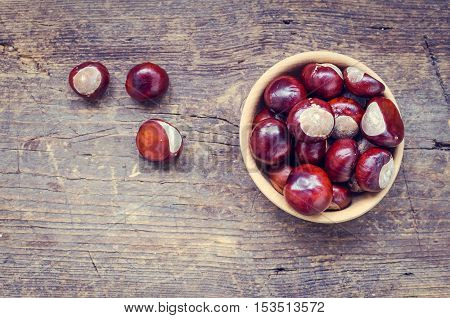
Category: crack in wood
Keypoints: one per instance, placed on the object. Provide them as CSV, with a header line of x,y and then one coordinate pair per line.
x,y
434,63
93,264
413,211
215,117
381,28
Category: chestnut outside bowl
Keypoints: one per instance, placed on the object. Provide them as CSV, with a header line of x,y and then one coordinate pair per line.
x,y
362,202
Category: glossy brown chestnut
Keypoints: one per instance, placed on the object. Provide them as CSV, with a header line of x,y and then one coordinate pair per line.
x,y
283,93
347,117
265,113
278,177
323,80
146,81
312,153
157,140
382,124
308,189
270,142
374,169
89,80
341,159
342,197
311,120
362,84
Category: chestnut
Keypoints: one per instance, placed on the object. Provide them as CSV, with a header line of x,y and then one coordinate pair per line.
x,y
382,124
362,84
265,113
146,81
340,159
283,93
278,177
269,142
312,153
308,189
347,117
342,197
89,80
364,145
323,80
311,120
374,169
157,140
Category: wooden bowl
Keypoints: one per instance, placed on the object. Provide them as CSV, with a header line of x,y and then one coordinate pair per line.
x,y
362,202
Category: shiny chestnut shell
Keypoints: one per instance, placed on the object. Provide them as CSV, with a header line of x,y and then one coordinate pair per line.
x,y
347,117
278,177
362,84
265,113
308,189
342,197
157,140
283,93
382,124
312,153
146,81
374,169
89,80
323,80
269,142
311,120
340,160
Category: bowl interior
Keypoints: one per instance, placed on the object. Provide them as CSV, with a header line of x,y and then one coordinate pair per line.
x,y
362,202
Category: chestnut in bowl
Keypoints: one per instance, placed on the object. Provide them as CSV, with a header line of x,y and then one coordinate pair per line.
x,y
340,160
265,113
374,169
342,197
360,83
308,189
361,203
279,176
382,124
269,142
347,117
324,80
312,153
311,120
283,93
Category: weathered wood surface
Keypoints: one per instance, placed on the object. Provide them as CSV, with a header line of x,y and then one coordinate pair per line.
x,y
82,215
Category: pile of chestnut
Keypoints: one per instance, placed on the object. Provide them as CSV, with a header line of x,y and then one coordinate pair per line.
x,y
325,135
156,140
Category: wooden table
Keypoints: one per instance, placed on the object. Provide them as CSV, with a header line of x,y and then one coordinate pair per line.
x,y
82,215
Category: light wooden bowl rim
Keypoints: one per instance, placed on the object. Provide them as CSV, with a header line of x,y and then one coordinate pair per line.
x,y
361,203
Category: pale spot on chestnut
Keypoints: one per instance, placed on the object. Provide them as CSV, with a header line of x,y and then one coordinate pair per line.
x,y
158,140
354,74
386,174
316,121
373,123
345,127
333,206
175,139
87,80
334,67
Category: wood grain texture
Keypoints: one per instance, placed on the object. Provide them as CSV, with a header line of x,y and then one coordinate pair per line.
x,y
82,215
